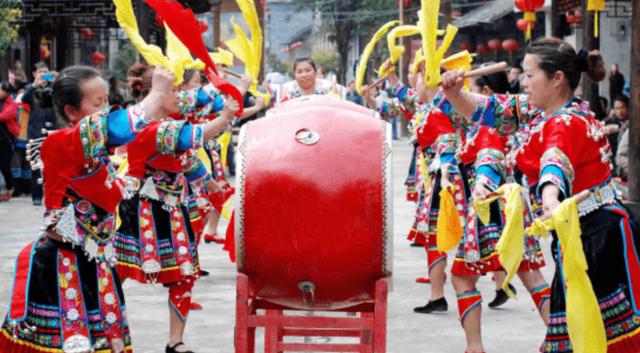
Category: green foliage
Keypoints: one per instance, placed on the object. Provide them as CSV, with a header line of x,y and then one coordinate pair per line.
x,y
276,65
127,56
9,13
346,19
328,60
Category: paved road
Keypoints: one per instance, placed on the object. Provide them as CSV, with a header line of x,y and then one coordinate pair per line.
x,y
514,328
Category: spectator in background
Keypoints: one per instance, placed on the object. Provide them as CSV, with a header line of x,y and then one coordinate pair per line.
x,y
622,156
514,79
352,94
18,72
8,131
616,82
115,94
39,97
604,106
617,124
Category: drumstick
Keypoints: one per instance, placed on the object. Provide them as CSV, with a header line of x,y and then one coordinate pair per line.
x,y
487,70
231,73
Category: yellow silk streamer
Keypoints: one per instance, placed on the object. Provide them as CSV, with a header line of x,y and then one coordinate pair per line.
x,y
596,6
249,51
204,157
220,57
366,53
428,24
224,140
584,319
449,228
396,50
459,61
417,60
151,53
510,247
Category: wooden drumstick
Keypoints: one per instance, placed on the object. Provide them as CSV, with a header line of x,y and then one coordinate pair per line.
x,y
231,73
487,70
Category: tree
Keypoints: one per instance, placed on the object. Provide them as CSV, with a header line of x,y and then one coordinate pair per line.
x,y
127,56
328,60
9,13
346,19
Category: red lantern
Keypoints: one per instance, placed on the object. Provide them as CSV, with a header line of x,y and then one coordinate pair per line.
x,y
45,53
97,58
574,18
202,25
495,44
296,45
510,45
481,48
465,46
529,7
522,25
86,33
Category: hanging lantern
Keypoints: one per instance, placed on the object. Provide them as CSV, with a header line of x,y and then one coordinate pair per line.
x,y
529,7
495,44
203,26
575,17
86,33
481,49
510,45
523,24
465,46
596,6
44,51
97,58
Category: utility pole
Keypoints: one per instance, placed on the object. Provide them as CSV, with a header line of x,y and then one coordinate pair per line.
x,y
590,42
634,117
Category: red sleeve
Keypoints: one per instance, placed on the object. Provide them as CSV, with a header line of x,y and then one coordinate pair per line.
x,y
62,156
141,150
9,110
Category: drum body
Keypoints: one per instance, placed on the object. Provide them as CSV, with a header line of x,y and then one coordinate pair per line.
x,y
313,205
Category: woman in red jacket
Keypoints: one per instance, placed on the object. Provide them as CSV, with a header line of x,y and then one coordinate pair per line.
x,y
8,130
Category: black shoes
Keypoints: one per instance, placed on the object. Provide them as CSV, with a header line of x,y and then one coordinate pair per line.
x,y
439,305
204,273
169,349
501,297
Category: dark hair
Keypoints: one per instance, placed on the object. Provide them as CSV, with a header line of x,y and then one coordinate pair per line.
x,y
303,60
6,86
188,75
40,65
67,90
139,79
622,98
558,55
113,81
517,67
497,81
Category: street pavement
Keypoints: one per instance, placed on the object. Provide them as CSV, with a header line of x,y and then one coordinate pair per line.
x,y
516,327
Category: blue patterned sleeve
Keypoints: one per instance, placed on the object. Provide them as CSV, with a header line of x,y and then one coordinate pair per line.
x,y
124,125
178,136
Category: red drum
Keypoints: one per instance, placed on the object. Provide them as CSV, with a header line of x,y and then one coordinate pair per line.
x,y
314,205
327,100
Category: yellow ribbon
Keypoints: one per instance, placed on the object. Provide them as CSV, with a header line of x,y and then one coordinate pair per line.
x,y
204,157
396,50
224,140
510,247
366,53
151,53
428,23
584,319
249,51
449,231
530,18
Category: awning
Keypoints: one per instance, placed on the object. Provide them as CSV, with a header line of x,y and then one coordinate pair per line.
x,y
485,14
